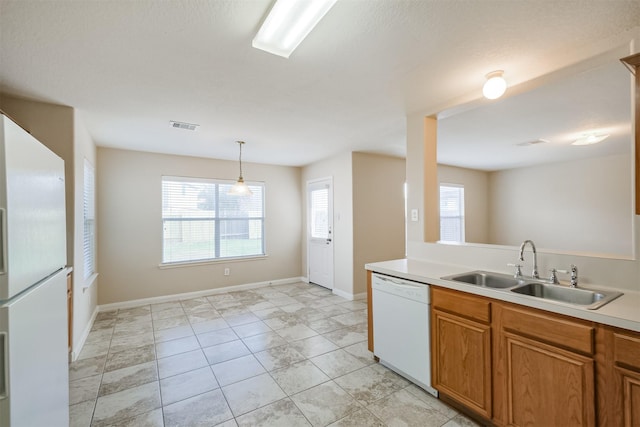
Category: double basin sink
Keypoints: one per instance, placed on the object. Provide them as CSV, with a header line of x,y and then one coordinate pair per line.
x,y
537,288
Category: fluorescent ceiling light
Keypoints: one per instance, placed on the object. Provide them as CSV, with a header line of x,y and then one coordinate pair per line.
x,y
590,139
288,23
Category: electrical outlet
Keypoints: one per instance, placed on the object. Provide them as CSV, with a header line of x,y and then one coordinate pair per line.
x,y
227,271
414,214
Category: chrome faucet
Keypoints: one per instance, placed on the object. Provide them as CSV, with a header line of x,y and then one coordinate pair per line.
x,y
534,273
574,276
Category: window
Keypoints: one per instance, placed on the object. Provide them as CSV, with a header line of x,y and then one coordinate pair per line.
x,y
451,213
320,213
200,221
89,214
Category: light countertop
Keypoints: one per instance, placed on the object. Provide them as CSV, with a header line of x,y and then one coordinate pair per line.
x,y
623,312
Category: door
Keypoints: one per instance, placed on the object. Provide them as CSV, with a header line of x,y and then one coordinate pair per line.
x,y
547,385
462,360
320,232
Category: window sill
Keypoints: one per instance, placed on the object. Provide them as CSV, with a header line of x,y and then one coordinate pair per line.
x,y
181,264
89,281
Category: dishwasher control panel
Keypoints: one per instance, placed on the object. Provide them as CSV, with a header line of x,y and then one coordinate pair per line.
x,y
401,287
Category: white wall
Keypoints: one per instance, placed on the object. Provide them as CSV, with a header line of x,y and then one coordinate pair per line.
x,y
476,200
582,205
130,226
85,295
340,169
378,212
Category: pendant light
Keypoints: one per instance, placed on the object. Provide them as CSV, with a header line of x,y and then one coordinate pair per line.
x,y
240,188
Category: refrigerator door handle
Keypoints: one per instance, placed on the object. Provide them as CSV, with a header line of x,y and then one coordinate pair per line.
x,y
4,366
3,240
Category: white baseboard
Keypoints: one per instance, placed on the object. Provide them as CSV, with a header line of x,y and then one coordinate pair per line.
x,y
195,294
350,297
78,347
343,294
305,279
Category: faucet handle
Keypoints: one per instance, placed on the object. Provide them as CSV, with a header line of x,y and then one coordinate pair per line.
x,y
518,272
554,277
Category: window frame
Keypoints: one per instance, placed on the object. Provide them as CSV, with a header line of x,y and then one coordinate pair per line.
x,y
217,221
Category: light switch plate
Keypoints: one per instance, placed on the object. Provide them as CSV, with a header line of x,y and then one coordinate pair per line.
x,y
414,214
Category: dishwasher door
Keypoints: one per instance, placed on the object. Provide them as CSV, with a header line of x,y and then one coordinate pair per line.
x,y
401,328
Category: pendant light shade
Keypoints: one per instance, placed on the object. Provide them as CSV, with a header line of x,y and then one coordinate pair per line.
x,y
240,188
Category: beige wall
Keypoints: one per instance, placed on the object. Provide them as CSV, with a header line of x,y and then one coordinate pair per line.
x,y
340,169
581,205
130,226
476,199
378,212
61,129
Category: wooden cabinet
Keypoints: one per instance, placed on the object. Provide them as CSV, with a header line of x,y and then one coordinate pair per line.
x,y
544,368
618,379
512,365
461,349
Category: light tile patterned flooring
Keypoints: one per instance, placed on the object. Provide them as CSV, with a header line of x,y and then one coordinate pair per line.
x,y
287,355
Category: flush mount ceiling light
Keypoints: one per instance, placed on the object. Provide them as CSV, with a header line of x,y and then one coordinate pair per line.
x,y
288,23
240,188
590,139
495,85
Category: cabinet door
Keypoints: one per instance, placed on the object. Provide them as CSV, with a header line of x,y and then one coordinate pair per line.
x,y
461,350
546,385
618,377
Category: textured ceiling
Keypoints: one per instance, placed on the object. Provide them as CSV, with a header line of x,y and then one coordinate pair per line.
x,y
130,66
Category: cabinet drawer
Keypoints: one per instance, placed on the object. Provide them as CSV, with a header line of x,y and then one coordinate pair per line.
x,y
462,304
571,334
626,350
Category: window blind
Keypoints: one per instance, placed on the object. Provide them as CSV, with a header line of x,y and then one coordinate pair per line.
x,y
452,213
89,214
320,213
202,222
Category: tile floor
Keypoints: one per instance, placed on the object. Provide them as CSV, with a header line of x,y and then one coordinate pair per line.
x,y
287,355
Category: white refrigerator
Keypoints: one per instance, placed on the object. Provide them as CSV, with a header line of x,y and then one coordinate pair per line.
x,y
34,375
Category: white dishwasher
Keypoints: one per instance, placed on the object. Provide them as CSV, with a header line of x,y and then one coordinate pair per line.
x,y
401,328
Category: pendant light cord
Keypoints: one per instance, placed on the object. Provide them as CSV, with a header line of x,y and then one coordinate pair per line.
x,y
240,158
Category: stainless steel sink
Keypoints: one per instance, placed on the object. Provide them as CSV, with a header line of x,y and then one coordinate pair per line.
x,y
591,299
537,288
486,279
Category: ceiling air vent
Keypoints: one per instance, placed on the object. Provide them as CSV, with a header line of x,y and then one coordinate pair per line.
x,y
183,125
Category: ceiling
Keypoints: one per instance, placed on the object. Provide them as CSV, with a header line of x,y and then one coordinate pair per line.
x,y
131,66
